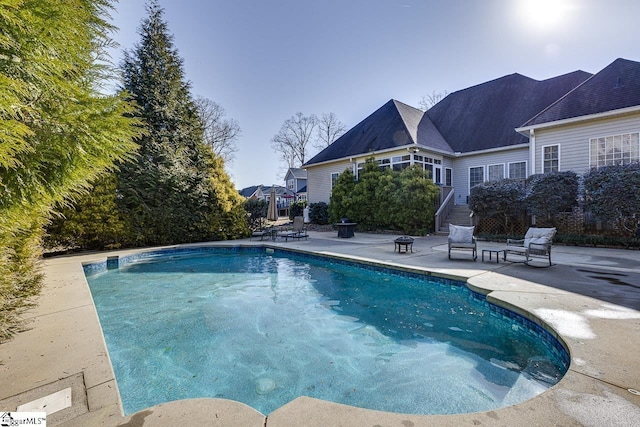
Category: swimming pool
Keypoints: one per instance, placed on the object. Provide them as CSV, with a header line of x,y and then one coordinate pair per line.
x,y
265,328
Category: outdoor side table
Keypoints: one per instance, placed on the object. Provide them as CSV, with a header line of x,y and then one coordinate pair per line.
x,y
405,241
494,251
346,229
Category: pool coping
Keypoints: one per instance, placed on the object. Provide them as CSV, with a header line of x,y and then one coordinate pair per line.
x,y
66,338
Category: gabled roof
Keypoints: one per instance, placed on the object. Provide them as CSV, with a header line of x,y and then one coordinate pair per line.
x,y
248,191
484,116
393,125
297,173
615,87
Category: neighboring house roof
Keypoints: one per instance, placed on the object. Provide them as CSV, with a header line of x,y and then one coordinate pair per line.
x,y
615,87
303,190
298,173
279,190
484,116
249,191
393,125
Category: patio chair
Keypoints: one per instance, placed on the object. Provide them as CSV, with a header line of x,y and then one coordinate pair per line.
x,y
537,242
298,230
462,238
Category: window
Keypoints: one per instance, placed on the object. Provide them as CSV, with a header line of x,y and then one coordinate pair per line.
x,y
550,158
401,162
495,172
476,176
290,184
427,163
334,178
518,170
615,150
448,181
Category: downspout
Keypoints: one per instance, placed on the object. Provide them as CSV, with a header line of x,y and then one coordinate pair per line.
x,y
532,160
532,152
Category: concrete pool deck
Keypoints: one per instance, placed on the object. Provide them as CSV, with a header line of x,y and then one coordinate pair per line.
x,y
591,298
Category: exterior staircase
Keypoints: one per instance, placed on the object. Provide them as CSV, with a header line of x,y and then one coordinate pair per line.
x,y
459,215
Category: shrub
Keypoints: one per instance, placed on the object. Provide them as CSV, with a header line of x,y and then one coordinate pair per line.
x,y
551,193
340,202
382,198
256,212
319,213
297,208
502,200
612,193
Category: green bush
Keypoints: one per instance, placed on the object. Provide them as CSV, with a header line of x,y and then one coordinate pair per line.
x,y
551,193
340,201
384,199
319,213
297,208
256,213
612,193
502,200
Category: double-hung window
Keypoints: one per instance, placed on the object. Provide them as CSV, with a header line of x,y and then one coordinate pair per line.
x,y
476,176
550,158
518,170
615,150
495,172
334,178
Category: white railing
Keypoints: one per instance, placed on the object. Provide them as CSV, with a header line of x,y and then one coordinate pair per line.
x,y
445,208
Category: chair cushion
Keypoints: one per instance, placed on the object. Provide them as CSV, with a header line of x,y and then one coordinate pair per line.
x,y
460,234
539,236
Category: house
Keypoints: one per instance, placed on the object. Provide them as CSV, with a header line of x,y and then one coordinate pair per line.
x,y
511,127
284,197
296,181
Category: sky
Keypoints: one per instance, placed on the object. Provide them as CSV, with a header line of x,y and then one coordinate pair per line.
x,y
264,61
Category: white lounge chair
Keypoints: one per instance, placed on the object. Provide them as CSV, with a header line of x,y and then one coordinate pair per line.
x,y
462,238
537,242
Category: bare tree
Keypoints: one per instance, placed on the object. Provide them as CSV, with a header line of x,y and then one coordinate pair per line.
x,y
293,138
429,101
329,129
220,133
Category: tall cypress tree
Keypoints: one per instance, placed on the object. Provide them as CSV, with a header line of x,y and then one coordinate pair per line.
x,y
167,195
57,133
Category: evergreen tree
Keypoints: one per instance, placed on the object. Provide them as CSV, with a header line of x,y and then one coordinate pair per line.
x,y
57,132
176,191
92,221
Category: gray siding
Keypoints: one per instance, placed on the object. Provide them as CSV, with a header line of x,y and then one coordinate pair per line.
x,y
462,164
573,140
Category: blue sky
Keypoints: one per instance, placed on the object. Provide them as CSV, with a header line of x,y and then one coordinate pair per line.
x,y
263,61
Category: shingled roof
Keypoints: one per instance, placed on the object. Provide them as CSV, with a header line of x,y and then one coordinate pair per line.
x,y
615,87
485,116
478,118
393,125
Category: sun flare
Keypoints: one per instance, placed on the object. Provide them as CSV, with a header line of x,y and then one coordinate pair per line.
x,y
545,14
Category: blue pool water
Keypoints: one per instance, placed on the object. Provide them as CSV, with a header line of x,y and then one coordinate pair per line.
x,y
264,329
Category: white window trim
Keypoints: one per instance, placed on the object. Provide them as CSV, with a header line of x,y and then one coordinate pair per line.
x,y
445,176
526,169
542,157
